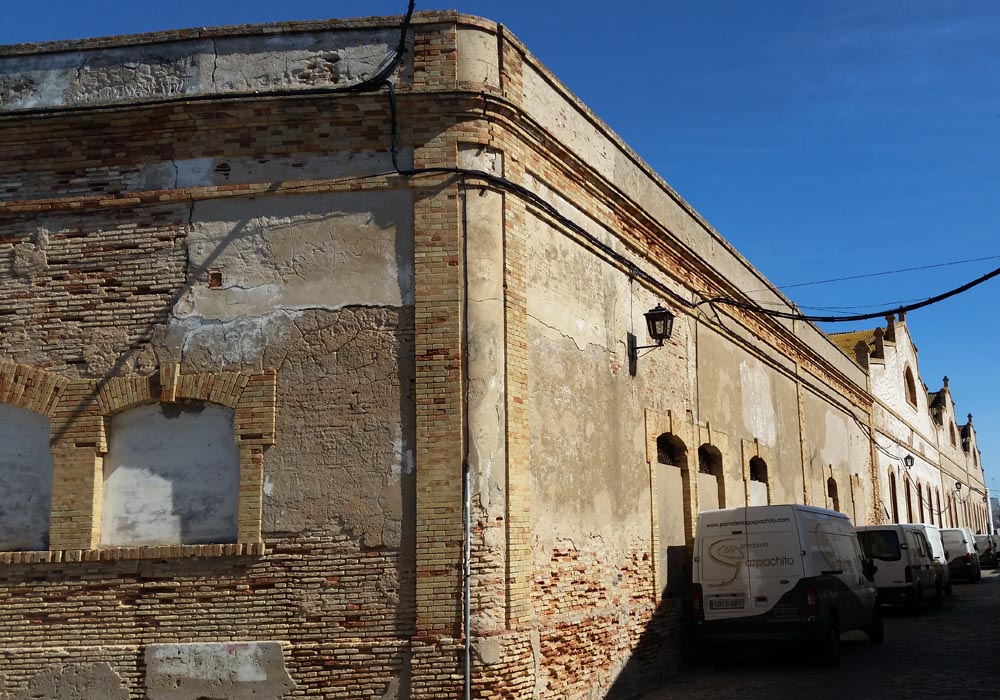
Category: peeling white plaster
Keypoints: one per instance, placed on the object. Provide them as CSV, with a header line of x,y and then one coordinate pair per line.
x,y
759,416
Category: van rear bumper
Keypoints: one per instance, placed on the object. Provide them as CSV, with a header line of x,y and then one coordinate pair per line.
x,y
898,595
765,632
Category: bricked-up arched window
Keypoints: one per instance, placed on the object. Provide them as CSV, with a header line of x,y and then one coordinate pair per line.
x,y
833,493
25,479
171,476
911,386
909,500
893,497
710,462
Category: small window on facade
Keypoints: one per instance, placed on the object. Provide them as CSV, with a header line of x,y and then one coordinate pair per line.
x,y
920,502
171,476
911,386
831,491
951,430
758,470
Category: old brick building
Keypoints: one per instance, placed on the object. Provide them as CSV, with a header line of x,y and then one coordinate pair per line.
x,y
257,329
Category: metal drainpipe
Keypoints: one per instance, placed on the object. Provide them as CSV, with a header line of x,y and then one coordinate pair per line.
x,y
466,485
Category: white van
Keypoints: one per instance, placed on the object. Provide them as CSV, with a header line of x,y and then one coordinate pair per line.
x,y
963,560
782,573
905,564
933,535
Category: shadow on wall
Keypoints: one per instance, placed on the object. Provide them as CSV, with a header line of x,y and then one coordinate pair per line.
x,y
659,653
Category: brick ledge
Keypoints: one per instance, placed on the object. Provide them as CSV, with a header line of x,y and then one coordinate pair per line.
x,y
243,549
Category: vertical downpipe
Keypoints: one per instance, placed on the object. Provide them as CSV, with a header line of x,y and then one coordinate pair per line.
x,y
466,483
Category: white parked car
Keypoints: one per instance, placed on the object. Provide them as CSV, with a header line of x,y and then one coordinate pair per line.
x,y
905,572
782,573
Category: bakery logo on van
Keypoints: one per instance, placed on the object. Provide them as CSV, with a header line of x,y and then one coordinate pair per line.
x,y
733,554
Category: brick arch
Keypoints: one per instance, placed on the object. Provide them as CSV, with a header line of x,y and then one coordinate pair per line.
x,y
31,388
252,396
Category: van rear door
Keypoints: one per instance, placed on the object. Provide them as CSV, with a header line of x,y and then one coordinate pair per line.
x,y
723,577
773,555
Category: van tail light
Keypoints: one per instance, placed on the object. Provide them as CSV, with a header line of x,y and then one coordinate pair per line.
x,y
908,574
811,600
697,605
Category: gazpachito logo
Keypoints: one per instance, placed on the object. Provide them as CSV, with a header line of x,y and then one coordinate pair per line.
x,y
729,555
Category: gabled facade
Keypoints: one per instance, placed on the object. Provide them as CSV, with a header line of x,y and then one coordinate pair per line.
x,y
945,485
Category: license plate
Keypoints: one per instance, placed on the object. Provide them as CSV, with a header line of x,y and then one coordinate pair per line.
x,y
726,604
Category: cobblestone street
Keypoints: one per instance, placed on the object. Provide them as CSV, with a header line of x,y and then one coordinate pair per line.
x,y
942,653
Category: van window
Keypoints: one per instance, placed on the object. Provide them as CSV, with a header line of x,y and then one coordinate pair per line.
x,y
880,544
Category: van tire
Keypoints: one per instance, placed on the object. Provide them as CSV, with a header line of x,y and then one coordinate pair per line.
x,y
938,596
875,629
917,602
829,647
947,589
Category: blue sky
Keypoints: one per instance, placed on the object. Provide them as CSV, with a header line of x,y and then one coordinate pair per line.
x,y
822,139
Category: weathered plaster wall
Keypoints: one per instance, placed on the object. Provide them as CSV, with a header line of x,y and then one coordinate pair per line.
x,y
214,65
171,476
588,462
224,671
747,399
25,479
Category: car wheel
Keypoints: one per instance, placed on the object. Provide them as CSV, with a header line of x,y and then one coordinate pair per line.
x,y
913,605
875,629
829,648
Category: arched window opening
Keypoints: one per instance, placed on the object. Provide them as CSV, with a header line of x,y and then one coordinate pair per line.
x,y
909,500
893,498
831,492
25,479
951,431
758,470
911,387
671,450
710,463
920,502
171,476
940,514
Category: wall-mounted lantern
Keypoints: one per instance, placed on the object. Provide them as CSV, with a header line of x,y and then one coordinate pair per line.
x,y
908,461
659,325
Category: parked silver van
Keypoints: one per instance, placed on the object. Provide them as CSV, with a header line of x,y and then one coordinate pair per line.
x,y
963,560
905,572
933,535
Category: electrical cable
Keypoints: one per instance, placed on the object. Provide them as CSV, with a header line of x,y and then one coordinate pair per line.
x,y
881,274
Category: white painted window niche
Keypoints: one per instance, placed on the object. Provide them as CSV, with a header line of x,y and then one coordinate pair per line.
x,y
171,476
25,479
